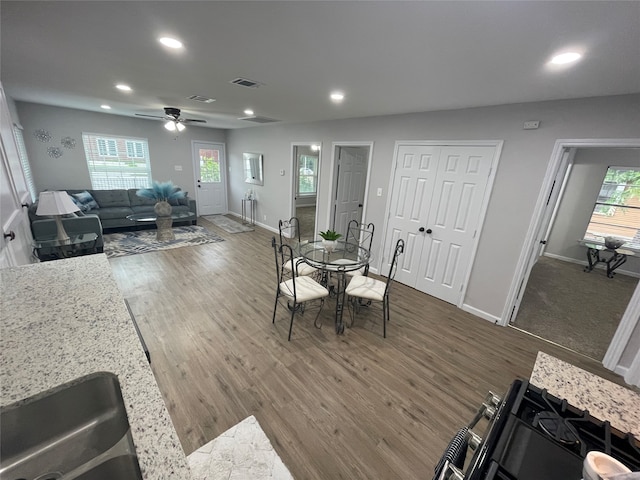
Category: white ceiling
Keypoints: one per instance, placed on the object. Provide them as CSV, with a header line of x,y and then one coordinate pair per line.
x,y
388,57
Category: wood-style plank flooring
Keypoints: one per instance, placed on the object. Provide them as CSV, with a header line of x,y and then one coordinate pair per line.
x,y
355,406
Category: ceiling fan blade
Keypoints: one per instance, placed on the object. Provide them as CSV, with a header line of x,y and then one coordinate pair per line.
x,y
150,116
193,120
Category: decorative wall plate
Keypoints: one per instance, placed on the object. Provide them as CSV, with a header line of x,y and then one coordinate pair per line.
x,y
42,135
68,142
54,152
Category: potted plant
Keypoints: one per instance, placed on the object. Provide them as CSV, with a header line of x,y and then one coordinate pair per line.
x,y
330,239
162,193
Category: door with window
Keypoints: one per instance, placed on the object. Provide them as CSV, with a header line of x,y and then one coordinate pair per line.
x,y
210,172
436,204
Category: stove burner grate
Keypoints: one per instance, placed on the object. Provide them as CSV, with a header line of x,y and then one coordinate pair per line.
x,y
557,428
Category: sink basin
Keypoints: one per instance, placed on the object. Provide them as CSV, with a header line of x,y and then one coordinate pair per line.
x,y
78,430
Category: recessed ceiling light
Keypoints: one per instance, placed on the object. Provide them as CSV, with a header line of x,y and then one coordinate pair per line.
x,y
170,42
123,87
106,107
248,111
568,57
337,96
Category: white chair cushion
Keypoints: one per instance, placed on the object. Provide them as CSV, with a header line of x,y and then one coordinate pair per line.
x,y
366,287
345,261
303,267
306,289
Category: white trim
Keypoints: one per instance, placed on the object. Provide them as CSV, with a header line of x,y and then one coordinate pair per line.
x,y
257,224
294,176
628,273
523,267
480,313
334,186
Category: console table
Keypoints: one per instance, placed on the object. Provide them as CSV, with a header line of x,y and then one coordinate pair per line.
x,y
614,259
250,204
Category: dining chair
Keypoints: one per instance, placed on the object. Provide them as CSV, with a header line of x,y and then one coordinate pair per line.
x,y
362,235
366,288
289,231
296,289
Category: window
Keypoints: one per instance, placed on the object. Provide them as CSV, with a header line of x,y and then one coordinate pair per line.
x,y
209,165
117,162
617,209
24,161
307,175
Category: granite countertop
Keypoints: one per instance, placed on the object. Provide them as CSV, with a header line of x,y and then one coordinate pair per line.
x,y
64,319
604,399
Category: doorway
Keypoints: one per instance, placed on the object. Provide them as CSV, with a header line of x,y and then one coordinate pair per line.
x,y
439,194
210,176
561,302
306,174
351,163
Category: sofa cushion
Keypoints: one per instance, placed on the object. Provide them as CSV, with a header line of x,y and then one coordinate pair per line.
x,y
85,201
136,201
108,213
111,198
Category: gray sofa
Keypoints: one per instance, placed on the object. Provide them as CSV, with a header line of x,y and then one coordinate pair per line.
x,y
114,205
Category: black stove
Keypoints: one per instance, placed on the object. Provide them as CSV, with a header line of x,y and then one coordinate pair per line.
x,y
533,435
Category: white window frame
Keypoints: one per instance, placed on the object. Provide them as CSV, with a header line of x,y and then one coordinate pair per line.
x,y
110,164
24,161
314,177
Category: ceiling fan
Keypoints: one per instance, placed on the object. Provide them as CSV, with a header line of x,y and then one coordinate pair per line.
x,y
173,118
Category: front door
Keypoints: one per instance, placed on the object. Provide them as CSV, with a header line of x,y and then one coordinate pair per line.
x,y
211,185
351,181
437,200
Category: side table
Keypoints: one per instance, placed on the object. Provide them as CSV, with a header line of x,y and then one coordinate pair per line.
x,y
251,204
595,256
53,249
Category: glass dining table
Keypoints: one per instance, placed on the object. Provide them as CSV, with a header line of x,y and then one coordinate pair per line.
x,y
333,263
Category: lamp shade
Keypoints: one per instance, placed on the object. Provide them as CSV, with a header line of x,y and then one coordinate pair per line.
x,y
55,203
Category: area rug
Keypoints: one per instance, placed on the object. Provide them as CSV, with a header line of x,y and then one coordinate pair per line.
x,y
243,452
227,224
144,241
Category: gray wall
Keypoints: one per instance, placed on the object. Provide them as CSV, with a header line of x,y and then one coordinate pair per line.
x,y
523,164
581,191
70,171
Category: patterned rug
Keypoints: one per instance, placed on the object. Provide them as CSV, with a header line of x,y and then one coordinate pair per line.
x,y
243,452
227,224
144,241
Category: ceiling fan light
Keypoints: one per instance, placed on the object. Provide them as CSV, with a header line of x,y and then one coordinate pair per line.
x,y
170,125
180,126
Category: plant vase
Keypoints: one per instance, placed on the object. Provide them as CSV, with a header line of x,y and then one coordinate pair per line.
x,y
164,221
329,245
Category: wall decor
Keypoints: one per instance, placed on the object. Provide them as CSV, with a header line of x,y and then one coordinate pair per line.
x,y
68,142
42,135
54,152
253,168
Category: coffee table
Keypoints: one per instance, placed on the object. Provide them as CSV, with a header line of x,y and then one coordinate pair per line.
x,y
164,233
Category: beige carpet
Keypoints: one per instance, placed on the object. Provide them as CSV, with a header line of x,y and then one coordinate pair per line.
x,y
575,309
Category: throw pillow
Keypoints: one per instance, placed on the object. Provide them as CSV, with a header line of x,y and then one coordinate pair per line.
x,y
85,201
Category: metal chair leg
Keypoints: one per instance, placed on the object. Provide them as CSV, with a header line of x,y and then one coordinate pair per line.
x,y
293,313
275,307
315,321
385,316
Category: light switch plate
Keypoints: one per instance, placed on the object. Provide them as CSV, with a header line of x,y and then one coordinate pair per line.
x,y
282,171
178,168
379,192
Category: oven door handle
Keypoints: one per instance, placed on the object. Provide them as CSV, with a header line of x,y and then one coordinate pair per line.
x,y
453,458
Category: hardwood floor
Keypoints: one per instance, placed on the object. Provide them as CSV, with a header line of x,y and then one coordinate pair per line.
x,y
355,406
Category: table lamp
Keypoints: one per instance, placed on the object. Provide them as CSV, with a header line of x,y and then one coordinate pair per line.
x,y
56,204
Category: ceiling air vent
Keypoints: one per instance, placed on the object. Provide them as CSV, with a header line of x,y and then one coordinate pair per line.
x,y
200,98
257,119
245,82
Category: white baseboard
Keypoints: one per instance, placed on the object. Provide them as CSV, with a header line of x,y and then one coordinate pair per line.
x,y
585,263
480,313
620,370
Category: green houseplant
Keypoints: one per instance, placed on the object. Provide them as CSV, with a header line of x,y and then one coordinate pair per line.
x,y
330,239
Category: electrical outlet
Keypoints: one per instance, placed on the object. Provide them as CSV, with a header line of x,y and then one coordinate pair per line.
x,y
282,172
379,192
531,125
264,217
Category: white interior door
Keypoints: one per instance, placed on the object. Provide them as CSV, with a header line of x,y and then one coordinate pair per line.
x,y
351,181
209,166
437,199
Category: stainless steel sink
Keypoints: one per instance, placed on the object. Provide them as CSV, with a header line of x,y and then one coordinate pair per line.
x,y
78,430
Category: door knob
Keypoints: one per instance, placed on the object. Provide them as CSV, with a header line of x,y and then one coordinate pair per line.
x,y
429,230
421,229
